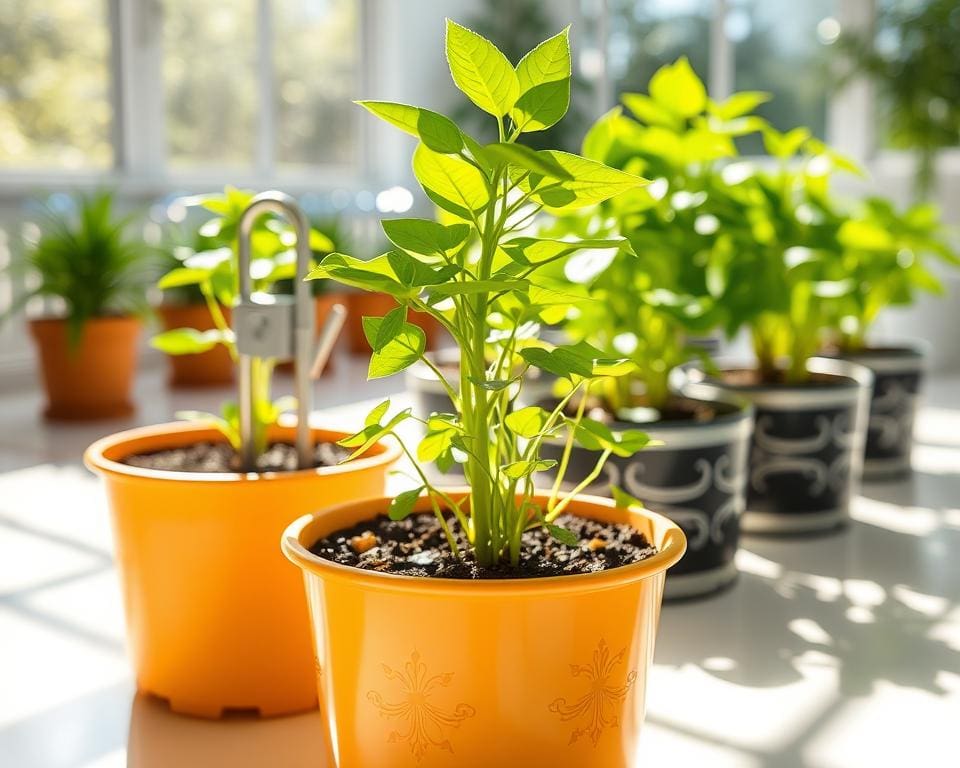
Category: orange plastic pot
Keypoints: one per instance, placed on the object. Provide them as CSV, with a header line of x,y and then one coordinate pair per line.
x,y
361,305
212,368
521,672
92,380
216,618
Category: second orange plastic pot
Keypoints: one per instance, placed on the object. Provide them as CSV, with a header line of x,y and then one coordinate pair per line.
x,y
521,672
216,618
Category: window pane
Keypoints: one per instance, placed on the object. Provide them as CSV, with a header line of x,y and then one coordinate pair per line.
x,y
646,34
55,105
210,82
315,60
778,50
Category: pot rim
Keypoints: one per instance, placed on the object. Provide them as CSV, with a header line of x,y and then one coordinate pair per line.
x,y
901,356
851,379
96,320
95,458
675,544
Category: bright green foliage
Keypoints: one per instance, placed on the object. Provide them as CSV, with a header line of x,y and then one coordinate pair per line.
x,y
489,286
88,260
884,254
214,273
648,305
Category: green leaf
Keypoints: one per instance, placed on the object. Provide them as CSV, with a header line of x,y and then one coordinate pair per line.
x,y
677,87
414,274
177,278
403,503
738,104
373,275
624,500
402,351
481,71
527,422
649,111
564,536
437,131
370,434
425,237
518,469
785,145
390,327
592,183
565,361
479,286
434,444
535,250
524,157
189,341
374,417
450,179
542,106
544,78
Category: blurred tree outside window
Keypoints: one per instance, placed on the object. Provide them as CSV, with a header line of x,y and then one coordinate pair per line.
x,y
210,82
316,68
55,85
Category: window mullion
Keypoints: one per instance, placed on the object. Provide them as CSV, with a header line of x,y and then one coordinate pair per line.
x,y
850,111
722,53
139,115
266,79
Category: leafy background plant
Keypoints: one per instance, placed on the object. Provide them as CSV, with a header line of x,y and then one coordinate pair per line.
x,y
214,273
486,282
911,58
87,257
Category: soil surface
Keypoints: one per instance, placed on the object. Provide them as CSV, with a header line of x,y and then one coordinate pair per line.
x,y
677,409
750,377
416,546
220,457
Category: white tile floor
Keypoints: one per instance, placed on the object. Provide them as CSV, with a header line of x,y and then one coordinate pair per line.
x,y
835,651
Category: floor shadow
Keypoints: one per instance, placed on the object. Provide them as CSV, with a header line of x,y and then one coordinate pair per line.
x,y
162,739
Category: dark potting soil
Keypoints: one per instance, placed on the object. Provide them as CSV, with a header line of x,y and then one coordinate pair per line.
x,y
676,409
416,546
220,457
750,377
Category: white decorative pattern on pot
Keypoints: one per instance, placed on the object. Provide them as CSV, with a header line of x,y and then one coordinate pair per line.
x,y
806,455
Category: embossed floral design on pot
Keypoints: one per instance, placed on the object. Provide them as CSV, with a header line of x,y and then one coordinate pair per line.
x,y
426,722
596,710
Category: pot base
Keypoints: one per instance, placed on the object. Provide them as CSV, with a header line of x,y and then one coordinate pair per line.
x,y
881,470
684,585
88,413
801,522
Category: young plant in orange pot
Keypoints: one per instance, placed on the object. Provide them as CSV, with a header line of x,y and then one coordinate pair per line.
x,y
85,261
552,598
216,618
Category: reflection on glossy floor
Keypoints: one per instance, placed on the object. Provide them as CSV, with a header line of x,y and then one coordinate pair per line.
x,y
833,651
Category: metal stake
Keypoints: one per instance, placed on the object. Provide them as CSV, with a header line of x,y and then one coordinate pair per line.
x,y
274,326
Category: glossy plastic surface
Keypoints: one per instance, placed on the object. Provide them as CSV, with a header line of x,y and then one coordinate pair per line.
x,y
523,672
94,379
216,617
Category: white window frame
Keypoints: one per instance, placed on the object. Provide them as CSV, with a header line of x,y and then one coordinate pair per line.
x,y
140,167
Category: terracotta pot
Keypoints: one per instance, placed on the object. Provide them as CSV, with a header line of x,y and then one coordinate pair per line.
x,y
518,672
93,380
322,305
216,618
214,368
361,305
806,454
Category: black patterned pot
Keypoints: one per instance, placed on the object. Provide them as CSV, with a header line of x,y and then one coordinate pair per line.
x,y
427,396
806,455
697,477
898,374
